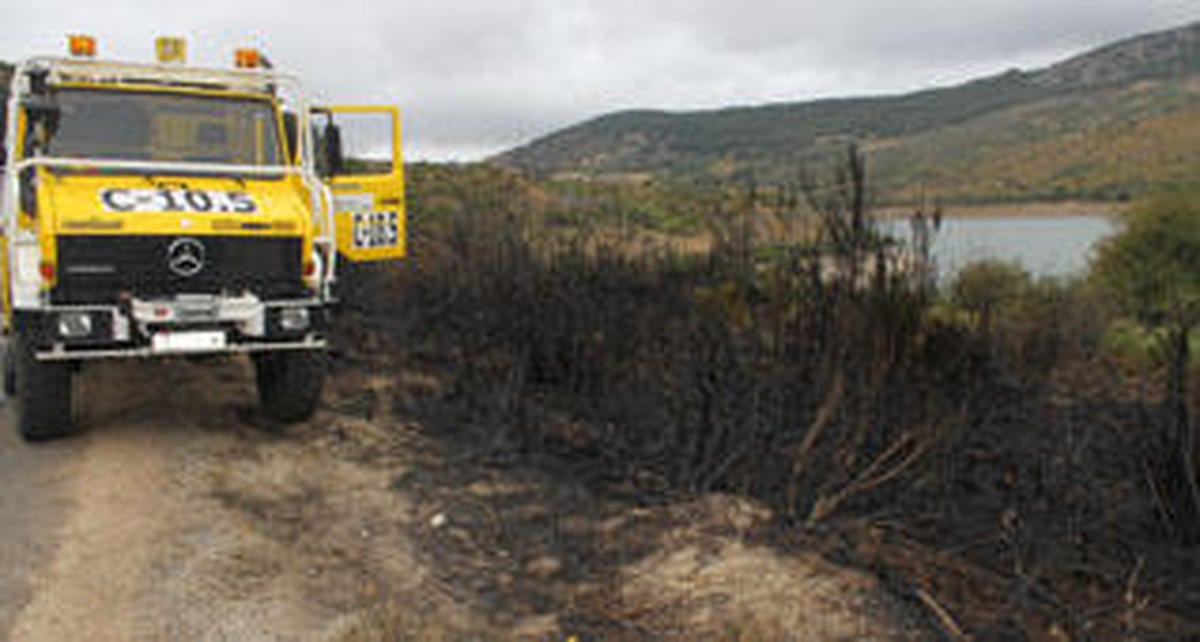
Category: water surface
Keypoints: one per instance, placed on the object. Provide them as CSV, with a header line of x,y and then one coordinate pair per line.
x,y
1057,246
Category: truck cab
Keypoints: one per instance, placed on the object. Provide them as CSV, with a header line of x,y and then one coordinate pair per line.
x,y
161,210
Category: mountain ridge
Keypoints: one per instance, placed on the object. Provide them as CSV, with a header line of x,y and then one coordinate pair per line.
x,y
770,142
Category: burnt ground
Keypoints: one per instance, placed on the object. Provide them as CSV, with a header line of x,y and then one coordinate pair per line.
x,y
182,514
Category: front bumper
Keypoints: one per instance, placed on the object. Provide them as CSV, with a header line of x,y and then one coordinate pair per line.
x,y
182,324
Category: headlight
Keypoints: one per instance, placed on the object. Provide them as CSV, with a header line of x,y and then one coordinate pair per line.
x,y
293,319
75,325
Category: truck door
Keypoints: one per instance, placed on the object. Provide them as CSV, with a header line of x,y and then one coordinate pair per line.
x,y
358,155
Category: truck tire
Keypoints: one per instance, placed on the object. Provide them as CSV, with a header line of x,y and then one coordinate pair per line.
x,y
289,383
43,393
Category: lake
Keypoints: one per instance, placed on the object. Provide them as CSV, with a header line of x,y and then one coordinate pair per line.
x,y
1055,246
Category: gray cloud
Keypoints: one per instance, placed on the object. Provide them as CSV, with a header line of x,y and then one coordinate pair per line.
x,y
476,76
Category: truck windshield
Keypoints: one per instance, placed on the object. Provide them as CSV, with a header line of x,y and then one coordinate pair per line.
x,y
162,126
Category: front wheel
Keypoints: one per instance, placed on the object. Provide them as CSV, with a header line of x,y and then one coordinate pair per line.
x,y
43,393
289,383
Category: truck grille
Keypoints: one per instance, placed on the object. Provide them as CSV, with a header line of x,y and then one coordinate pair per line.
x,y
97,269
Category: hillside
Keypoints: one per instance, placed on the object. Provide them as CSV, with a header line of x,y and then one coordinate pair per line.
x,y
1105,124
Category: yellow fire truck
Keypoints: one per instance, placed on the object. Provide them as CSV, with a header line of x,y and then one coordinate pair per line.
x,y
161,209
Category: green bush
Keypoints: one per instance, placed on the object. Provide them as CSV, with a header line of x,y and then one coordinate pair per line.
x,y
1152,268
983,286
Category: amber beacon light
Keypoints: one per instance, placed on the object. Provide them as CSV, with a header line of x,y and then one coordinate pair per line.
x,y
81,46
247,59
170,49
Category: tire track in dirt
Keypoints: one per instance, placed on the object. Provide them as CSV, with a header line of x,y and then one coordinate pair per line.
x,y
144,551
34,501
96,585
182,516
128,505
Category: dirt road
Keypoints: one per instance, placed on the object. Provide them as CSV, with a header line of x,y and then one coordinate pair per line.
x,y
117,534
33,502
179,514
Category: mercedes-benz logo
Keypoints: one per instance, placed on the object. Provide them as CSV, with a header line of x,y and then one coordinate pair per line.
x,y
185,256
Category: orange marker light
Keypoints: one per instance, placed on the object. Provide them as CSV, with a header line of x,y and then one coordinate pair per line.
x,y
46,268
81,45
247,59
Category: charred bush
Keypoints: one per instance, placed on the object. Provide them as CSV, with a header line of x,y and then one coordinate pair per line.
x,y
786,375
1001,465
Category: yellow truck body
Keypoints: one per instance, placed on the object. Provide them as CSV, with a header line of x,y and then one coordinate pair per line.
x,y
163,210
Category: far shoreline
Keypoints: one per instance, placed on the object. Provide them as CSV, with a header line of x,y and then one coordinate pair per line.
x,y
1041,209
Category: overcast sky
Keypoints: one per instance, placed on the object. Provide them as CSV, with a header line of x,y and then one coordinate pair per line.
x,y
478,76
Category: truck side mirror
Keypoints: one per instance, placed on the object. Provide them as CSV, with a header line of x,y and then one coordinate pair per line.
x,y
27,192
3,146
291,135
331,143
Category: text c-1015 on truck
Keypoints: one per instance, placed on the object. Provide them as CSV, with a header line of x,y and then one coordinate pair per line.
x,y
160,209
